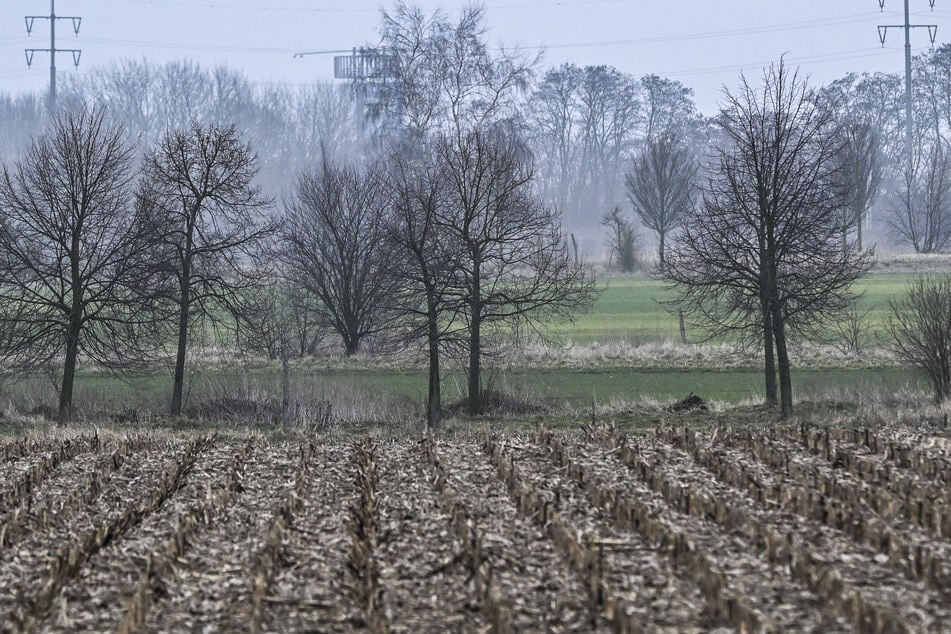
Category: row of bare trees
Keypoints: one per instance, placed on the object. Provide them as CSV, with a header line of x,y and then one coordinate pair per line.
x,y
96,260
445,242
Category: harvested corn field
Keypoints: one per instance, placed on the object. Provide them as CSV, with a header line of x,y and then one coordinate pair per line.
x,y
588,531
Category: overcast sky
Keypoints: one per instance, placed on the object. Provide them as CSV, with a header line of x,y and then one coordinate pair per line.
x,y
703,43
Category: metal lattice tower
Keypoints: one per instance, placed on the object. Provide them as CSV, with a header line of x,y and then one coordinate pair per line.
x,y
52,50
370,71
908,26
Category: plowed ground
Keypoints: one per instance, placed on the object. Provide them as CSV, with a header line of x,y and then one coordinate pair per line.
x,y
589,531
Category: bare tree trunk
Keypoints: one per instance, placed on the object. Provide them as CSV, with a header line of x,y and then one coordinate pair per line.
x,y
660,251
65,411
285,391
772,392
434,397
179,377
782,356
475,346
858,231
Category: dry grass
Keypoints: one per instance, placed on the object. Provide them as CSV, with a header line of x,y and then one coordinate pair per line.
x,y
670,354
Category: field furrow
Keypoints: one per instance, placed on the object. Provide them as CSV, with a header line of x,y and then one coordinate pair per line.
x,y
629,579
526,585
740,588
28,473
34,587
309,592
116,587
849,472
927,456
426,586
835,500
848,577
61,498
211,584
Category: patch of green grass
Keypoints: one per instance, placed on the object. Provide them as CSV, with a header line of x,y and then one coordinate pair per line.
x,y
579,387
636,309
358,391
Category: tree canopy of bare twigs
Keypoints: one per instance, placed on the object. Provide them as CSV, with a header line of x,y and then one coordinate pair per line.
x,y
661,187
515,267
201,201
75,271
335,246
921,212
761,254
446,76
919,330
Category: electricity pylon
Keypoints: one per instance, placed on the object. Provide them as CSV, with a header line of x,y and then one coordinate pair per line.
x,y
932,33
52,50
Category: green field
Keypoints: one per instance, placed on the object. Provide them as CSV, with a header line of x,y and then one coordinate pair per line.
x,y
630,309
381,394
635,309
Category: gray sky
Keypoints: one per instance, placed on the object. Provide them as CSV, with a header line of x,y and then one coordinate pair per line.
x,y
703,43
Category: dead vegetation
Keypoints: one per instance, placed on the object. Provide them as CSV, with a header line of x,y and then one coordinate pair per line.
x,y
790,529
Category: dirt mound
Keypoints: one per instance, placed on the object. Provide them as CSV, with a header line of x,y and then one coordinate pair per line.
x,y
687,404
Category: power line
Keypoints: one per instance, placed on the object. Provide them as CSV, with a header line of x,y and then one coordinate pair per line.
x,y
195,47
837,56
240,7
52,50
754,30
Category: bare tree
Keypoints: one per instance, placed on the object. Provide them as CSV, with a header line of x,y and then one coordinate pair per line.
x,y
921,211
75,273
668,108
428,263
335,247
661,187
762,256
623,240
199,195
608,112
920,330
447,77
553,131
515,267
860,176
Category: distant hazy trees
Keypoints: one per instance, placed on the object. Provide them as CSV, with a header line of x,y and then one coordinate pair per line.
x,y
209,225
76,269
761,255
860,175
443,73
623,239
585,125
921,208
661,186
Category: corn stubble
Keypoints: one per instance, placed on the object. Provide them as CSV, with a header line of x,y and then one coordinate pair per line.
x,y
822,530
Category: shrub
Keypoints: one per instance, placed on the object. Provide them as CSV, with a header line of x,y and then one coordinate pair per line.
x,y
919,330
